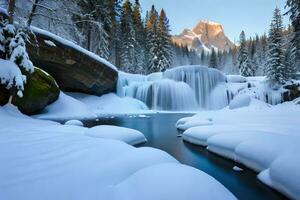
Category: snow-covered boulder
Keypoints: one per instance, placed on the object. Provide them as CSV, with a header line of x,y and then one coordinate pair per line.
x,y
73,67
74,122
235,79
130,136
239,101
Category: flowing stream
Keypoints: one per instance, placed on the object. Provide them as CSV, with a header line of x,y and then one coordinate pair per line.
x,y
161,133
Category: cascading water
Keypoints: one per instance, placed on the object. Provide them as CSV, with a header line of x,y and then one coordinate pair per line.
x,y
178,89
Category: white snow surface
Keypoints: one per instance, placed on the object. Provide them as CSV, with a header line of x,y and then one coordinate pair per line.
x,y
111,104
70,106
44,159
66,108
262,137
73,45
130,136
241,100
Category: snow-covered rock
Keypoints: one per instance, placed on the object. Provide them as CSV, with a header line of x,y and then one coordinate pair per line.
x,y
236,79
261,137
74,123
130,136
239,101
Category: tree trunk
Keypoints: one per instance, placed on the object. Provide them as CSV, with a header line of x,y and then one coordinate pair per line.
x,y
11,10
32,13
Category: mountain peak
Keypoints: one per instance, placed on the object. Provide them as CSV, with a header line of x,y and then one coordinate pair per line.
x,y
207,33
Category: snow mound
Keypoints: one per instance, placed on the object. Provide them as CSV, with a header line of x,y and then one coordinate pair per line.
x,y
111,104
170,175
46,159
239,101
188,122
263,138
65,108
235,79
74,123
130,136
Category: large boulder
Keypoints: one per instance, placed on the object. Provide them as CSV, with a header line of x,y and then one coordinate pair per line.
x,y
292,92
40,91
74,68
4,95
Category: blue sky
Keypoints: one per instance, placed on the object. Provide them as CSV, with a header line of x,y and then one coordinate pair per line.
x,y
253,16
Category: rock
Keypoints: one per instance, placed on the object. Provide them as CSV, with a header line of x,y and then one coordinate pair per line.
x,y
40,91
74,123
293,92
74,70
4,95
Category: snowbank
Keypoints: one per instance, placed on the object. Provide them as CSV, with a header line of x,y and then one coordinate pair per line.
x,y
260,137
239,101
111,104
130,136
66,108
43,159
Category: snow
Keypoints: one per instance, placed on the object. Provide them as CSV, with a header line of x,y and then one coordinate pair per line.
x,y
130,136
50,43
74,46
74,123
170,176
66,108
241,100
11,75
111,104
235,79
46,159
262,137
238,169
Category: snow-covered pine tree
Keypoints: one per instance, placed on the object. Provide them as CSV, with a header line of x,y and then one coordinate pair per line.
x,y
14,59
243,63
164,53
93,21
114,33
276,69
140,39
294,12
213,59
152,39
128,40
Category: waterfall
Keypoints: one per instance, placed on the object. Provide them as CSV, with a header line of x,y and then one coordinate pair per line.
x,y
178,89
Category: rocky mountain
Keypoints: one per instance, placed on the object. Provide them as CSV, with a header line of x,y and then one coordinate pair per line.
x,y
204,36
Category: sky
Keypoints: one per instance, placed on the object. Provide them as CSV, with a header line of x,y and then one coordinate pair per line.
x,y
252,16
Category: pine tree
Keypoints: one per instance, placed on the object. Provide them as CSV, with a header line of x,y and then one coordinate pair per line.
x,y
94,22
243,61
152,39
213,60
294,12
13,40
128,41
164,54
140,48
276,71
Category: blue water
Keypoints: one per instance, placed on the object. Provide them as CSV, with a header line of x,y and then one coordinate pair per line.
x,y
161,133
